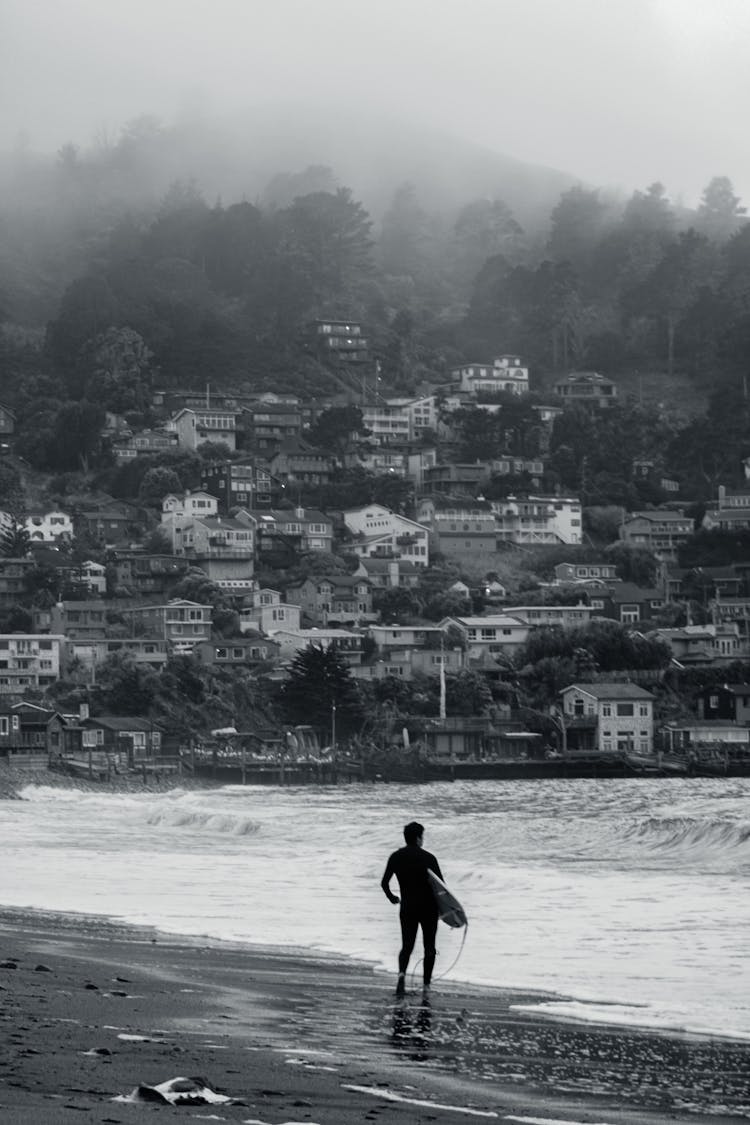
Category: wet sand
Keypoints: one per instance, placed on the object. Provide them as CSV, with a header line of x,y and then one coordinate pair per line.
x,y
90,1010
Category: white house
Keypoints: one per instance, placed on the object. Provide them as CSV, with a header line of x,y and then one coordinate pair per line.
x,y
268,613
188,505
507,375
497,634
194,426
29,660
382,533
48,526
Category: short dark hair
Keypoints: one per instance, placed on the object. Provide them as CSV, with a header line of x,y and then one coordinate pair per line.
x,y
412,831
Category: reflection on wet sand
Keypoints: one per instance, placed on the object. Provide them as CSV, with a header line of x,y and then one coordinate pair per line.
x,y
411,1029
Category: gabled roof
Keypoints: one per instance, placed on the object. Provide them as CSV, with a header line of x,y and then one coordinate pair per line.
x,y
611,690
120,723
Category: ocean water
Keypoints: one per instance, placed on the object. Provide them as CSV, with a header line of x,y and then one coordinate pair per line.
x,y
627,900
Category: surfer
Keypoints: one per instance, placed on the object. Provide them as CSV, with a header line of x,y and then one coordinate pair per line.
x,y
410,865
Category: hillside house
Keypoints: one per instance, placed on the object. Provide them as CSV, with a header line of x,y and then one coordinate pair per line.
x,y
187,506
495,635
347,643
586,388
339,342
7,428
139,573
268,613
571,573
143,444
293,529
340,598
196,425
180,622
385,574
661,531
238,484
462,528
725,702
507,375
113,522
24,729
296,462
378,532
13,578
238,653
28,660
222,546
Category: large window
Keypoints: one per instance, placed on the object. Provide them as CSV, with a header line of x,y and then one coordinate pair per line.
x,y
625,709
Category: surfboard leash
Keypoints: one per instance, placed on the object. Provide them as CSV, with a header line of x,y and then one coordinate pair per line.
x,y
453,964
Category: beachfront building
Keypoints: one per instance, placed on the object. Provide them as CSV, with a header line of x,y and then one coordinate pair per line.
x,y
608,718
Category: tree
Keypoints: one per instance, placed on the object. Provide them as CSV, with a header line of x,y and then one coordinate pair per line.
x,y
720,214
121,376
157,483
15,541
335,428
319,681
124,687
329,237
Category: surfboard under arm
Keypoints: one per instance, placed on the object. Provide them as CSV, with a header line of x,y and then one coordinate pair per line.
x,y
450,909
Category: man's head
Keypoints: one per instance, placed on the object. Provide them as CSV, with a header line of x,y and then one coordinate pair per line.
x,y
413,832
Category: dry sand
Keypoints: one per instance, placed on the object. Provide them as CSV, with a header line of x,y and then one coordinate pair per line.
x,y
91,1009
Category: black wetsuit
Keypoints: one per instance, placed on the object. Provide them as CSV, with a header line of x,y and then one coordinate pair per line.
x,y
410,865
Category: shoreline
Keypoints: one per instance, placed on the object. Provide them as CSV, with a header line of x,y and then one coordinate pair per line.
x,y
315,1038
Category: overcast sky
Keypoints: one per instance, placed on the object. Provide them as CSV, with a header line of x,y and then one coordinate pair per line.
x,y
617,92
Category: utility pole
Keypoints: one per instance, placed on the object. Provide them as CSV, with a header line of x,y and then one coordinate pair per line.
x,y
333,727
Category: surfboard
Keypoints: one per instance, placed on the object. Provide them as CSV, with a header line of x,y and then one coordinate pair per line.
x,y
450,909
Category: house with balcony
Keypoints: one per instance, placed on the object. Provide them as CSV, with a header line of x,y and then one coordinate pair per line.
x,y
730,512
238,484
196,425
268,613
387,574
538,520
296,462
25,729
378,459
586,388
13,579
143,443
90,652
266,425
222,546
506,375
451,477
387,422
703,644
378,532
180,622
125,738
548,616
347,643
509,465
340,599
462,528
73,619
292,529
494,635
339,342
608,718
661,531
28,660
139,573
113,522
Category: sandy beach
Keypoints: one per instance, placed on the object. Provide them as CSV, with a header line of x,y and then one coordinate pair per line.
x,y
92,1010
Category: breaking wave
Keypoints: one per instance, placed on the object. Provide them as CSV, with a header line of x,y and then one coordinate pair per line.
x,y
220,823
704,835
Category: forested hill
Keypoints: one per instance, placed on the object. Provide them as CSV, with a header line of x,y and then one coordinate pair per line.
x,y
221,290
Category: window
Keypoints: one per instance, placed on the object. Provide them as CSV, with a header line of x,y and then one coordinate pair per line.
x,y
625,709
606,710
643,709
3,725
15,722
139,740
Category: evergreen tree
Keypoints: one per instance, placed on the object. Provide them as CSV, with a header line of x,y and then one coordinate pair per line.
x,y
321,686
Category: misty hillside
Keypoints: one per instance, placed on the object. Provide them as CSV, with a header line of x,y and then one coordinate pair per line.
x,y
56,210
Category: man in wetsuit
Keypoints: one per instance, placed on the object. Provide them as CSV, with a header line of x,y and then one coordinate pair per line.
x,y
410,865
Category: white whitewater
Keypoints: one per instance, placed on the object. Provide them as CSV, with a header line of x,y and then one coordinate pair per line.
x,y
628,898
